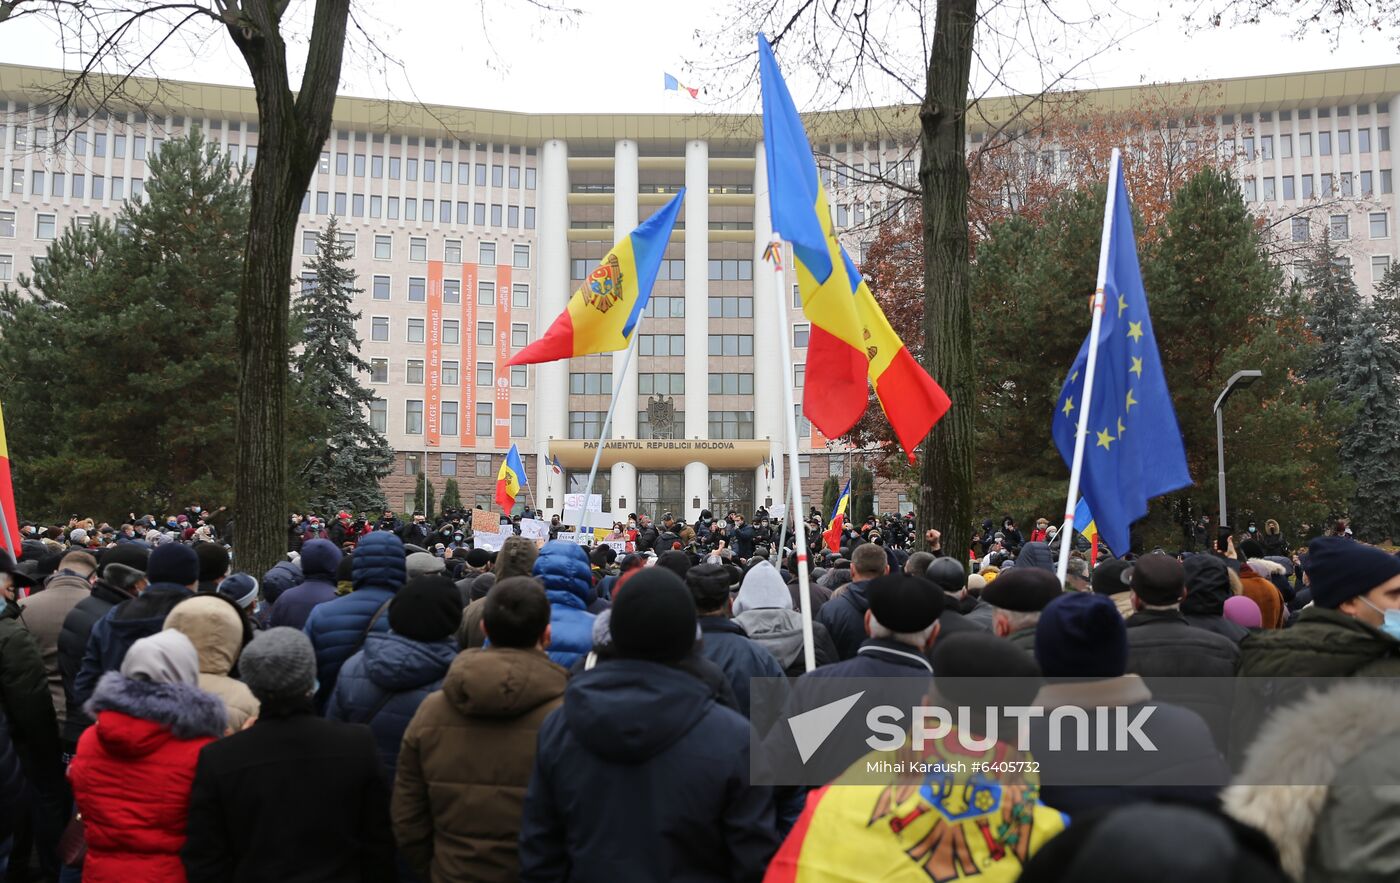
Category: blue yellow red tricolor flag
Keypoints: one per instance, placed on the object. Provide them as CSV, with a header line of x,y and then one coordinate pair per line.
x,y
603,312
510,479
672,84
850,339
837,522
7,494
1084,521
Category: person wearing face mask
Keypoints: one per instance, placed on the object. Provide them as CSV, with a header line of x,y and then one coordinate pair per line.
x,y
1352,629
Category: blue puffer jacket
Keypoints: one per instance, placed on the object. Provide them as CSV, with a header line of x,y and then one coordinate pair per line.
x,y
337,628
319,559
383,685
568,583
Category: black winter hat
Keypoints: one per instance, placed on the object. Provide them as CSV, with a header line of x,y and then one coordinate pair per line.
x,y
904,604
427,608
133,555
479,558
1108,577
976,668
1024,589
948,574
653,617
1158,579
1340,568
213,561
173,563
709,585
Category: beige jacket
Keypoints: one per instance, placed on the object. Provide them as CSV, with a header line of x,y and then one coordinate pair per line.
x,y
43,614
216,630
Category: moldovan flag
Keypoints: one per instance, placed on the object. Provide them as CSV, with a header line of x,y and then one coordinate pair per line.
x,y
1082,516
602,313
850,337
509,480
911,399
837,522
7,495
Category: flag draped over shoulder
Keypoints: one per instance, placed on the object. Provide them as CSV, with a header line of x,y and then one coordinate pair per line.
x,y
603,312
837,522
850,339
7,494
510,479
1133,450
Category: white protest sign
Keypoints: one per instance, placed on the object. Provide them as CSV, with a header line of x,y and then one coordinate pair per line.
x,y
618,546
533,528
569,536
778,511
491,542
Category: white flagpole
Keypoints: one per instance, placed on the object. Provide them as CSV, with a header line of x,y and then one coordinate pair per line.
x,y
794,478
607,423
1082,432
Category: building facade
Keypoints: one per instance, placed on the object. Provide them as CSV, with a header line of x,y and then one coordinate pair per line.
x,y
471,228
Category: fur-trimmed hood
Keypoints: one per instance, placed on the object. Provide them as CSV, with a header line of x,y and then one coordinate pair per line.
x,y
159,711
1305,747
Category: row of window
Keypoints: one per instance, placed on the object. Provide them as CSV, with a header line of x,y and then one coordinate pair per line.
x,y
1324,185
382,289
449,425
358,205
60,184
673,270
451,331
80,141
407,168
415,373
1325,144
484,465
673,384
1339,227
418,249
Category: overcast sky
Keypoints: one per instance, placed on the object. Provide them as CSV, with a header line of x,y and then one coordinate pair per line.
x,y
612,57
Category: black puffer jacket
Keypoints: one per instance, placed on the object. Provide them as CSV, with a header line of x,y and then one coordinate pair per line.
x,y
72,642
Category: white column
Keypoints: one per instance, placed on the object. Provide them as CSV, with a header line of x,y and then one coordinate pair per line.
x,y
697,481
625,187
697,308
768,419
551,379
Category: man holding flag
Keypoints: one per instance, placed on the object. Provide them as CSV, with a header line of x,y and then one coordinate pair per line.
x,y
1115,425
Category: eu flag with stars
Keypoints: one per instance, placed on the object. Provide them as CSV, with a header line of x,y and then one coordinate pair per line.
x,y
1133,449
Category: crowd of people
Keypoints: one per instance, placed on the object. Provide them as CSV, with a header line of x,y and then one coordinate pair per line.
x,y
391,703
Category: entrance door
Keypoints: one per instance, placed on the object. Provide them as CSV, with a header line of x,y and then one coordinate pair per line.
x,y
659,493
732,490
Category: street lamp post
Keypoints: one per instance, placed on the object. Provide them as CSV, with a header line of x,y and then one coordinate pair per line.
x,y
1240,380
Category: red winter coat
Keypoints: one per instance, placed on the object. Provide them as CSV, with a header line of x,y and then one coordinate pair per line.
x,y
132,775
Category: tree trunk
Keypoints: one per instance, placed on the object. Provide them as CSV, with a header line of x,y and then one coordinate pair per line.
x,y
292,127
945,492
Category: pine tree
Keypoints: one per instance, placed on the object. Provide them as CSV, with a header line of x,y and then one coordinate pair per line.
x,y
831,492
1369,367
451,495
346,456
1333,307
118,362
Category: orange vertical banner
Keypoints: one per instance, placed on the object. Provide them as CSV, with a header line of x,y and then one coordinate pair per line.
x,y
467,369
502,434
432,427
